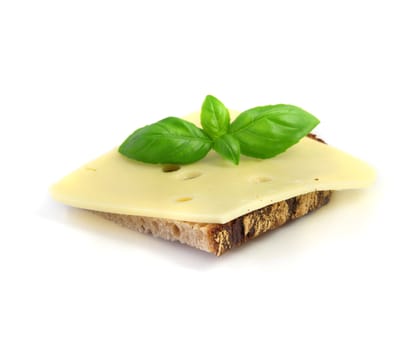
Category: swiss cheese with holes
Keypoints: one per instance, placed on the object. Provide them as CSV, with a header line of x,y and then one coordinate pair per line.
x,y
212,190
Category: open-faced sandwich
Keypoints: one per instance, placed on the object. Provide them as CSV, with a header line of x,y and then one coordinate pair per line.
x,y
178,181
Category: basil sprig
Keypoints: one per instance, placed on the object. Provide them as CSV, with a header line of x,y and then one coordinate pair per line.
x,y
260,132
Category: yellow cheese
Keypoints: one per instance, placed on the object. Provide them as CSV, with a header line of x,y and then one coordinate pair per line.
x,y
211,190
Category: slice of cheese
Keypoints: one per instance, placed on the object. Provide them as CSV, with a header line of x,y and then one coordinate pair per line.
x,y
212,190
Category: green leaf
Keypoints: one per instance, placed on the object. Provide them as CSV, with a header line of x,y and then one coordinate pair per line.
x,y
171,140
214,117
228,147
260,132
264,132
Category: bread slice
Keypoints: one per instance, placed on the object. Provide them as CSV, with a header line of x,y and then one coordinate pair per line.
x,y
218,238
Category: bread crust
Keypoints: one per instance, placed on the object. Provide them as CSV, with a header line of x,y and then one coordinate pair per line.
x,y
252,225
219,238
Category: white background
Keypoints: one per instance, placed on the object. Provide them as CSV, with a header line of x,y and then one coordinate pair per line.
x,y
76,77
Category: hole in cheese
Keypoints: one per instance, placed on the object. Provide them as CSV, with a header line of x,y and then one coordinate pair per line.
x,y
261,179
168,168
190,175
184,199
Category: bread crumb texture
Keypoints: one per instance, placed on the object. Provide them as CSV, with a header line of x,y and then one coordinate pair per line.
x,y
219,238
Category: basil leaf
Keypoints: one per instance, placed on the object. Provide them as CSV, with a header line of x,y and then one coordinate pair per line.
x,y
228,147
214,117
171,140
264,132
261,132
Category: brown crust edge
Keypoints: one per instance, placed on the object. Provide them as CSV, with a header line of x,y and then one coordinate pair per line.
x,y
249,226
219,238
